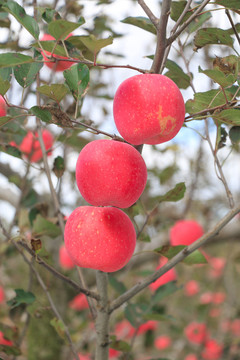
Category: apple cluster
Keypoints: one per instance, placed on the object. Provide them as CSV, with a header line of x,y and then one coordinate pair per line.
x,y
111,175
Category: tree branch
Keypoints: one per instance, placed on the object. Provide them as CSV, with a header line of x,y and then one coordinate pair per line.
x,y
174,261
149,12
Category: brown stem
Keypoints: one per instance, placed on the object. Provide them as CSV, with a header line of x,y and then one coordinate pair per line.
x,y
149,12
233,25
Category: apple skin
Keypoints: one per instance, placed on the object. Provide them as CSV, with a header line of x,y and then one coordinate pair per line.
x,y
110,173
4,341
191,357
59,65
79,302
2,295
212,350
196,332
170,275
31,148
191,288
101,238
64,259
148,109
185,232
162,342
3,107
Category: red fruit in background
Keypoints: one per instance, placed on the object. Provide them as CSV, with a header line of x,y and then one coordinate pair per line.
x,y
84,357
2,295
218,297
148,109
162,342
64,259
185,232
58,65
170,275
191,357
113,354
217,265
3,107
31,148
191,288
110,172
4,341
149,325
79,302
196,332
235,327
101,238
206,298
212,350
124,329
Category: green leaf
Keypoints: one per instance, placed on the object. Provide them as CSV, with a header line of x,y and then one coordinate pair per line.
x,y
207,99
119,345
164,291
9,350
77,79
20,15
177,8
58,166
144,237
41,113
4,120
176,194
219,77
198,22
234,134
22,297
133,315
25,74
59,327
216,36
11,150
12,59
4,86
4,20
141,22
117,285
42,226
73,140
49,46
230,116
6,73
170,251
30,198
177,75
49,15
230,4
95,45
60,29
55,91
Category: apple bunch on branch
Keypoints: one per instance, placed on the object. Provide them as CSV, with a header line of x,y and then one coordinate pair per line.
x,y
148,109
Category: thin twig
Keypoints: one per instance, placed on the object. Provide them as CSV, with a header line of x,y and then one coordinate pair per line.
x,y
233,25
175,260
149,12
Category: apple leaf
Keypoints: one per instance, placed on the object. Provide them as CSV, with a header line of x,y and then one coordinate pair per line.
x,y
25,74
73,140
163,291
4,86
119,345
170,251
11,150
234,134
22,297
141,22
176,194
20,15
4,120
13,59
77,79
133,314
229,116
60,28
41,113
204,100
49,46
55,91
177,8
49,15
117,285
59,327
216,36
230,4
6,73
9,350
4,20
42,226
95,45
177,75
219,76
198,22
58,166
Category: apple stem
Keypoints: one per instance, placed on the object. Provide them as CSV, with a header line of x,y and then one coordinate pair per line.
x,y
102,320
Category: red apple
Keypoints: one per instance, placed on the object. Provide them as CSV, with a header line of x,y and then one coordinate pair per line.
x,y
235,327
124,329
218,297
149,325
64,259
206,298
79,302
162,342
191,357
3,107
84,357
101,238
191,288
185,232
148,109
31,148
114,354
57,65
110,172
170,275
196,332
212,350
4,341
2,295
217,266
